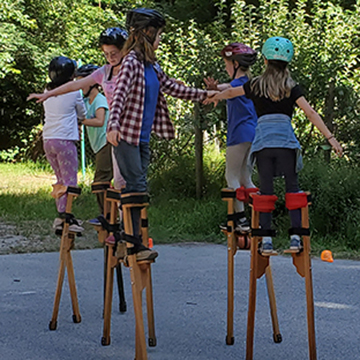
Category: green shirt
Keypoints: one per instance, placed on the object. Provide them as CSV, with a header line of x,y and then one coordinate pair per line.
x,y
96,135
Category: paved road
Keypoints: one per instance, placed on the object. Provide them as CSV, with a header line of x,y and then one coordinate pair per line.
x,y
190,309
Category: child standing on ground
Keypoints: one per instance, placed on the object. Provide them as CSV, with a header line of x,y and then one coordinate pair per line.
x,y
241,125
61,131
97,113
275,149
111,42
139,106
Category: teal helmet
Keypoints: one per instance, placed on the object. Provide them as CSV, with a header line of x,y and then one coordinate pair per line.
x,y
278,48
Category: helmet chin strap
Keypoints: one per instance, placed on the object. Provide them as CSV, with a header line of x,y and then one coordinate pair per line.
x,y
89,91
112,69
235,69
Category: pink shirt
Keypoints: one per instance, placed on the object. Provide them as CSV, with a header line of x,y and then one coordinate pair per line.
x,y
101,76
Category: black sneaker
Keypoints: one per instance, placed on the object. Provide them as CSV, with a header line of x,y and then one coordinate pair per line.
x,y
223,226
242,225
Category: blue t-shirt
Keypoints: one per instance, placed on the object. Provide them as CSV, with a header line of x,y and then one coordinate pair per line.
x,y
96,135
242,117
152,87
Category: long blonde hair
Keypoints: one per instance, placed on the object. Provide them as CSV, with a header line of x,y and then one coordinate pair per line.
x,y
275,83
141,41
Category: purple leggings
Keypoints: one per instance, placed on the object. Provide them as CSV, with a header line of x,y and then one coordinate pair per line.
x,y
62,156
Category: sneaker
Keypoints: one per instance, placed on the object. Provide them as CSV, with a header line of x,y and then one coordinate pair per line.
x,y
266,245
223,226
58,224
146,254
75,227
295,242
94,222
242,225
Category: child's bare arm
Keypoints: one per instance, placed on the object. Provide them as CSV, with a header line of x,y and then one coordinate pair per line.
x,y
315,118
98,120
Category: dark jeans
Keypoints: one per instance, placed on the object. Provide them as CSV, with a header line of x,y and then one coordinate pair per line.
x,y
103,171
133,163
270,163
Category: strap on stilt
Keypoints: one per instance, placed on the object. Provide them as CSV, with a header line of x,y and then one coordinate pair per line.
x,y
243,194
263,232
263,203
294,201
97,187
299,231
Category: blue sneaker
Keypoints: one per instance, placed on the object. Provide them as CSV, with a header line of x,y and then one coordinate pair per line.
x,y
295,242
266,245
94,222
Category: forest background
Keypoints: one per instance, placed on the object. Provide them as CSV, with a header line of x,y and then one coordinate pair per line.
x,y
186,174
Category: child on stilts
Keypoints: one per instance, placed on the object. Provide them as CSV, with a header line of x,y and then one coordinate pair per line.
x,y
242,120
139,106
61,131
275,149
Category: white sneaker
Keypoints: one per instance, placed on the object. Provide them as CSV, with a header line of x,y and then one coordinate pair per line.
x,y
58,224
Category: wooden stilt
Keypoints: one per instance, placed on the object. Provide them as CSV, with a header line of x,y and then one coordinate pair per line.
x,y
102,187
259,265
65,259
113,198
302,262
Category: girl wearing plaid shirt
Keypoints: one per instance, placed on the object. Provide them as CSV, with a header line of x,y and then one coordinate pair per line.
x,y
139,106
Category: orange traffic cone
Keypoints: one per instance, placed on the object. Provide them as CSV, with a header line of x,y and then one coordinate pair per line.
x,y
151,243
326,255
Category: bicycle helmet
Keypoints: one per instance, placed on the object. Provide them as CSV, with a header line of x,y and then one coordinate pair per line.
x,y
142,18
241,53
86,70
113,36
278,48
61,69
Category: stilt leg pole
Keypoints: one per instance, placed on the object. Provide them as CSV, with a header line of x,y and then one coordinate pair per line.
x,y
65,260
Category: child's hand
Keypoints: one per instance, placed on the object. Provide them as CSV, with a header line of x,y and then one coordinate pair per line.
x,y
336,146
212,97
41,97
113,137
211,84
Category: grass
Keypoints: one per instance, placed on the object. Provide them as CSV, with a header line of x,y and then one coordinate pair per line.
x,y
27,211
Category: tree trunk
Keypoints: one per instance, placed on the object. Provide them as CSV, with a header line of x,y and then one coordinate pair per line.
x,y
329,115
199,170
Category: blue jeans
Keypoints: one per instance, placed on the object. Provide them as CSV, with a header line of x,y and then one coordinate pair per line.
x,y
133,163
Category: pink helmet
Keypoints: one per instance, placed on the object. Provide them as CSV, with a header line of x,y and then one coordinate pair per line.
x,y
243,54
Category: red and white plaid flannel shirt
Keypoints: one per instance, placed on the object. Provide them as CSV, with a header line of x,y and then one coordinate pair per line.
x,y
128,103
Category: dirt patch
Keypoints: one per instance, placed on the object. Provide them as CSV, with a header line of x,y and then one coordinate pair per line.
x,y
26,239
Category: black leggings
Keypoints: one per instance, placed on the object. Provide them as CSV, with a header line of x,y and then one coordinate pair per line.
x,y
273,162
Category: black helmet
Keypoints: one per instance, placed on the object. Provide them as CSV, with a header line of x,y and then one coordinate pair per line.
x,y
113,36
86,70
142,18
61,69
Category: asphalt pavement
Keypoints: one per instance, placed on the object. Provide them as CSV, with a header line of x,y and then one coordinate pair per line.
x,y
190,294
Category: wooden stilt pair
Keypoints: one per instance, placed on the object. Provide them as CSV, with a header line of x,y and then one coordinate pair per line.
x,y
104,232
66,245
140,271
229,196
260,265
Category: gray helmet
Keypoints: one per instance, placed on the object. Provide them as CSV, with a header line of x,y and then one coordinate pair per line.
x,y
86,70
142,18
61,69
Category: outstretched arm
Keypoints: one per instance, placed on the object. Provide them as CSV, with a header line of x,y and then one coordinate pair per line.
x,y
63,89
212,84
315,118
226,94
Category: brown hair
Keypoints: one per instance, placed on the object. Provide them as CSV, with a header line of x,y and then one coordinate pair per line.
x,y
275,83
141,41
